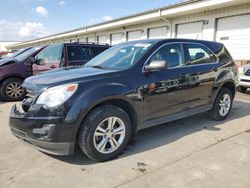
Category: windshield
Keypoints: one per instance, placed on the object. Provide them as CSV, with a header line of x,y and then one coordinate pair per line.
x,y
19,52
26,54
120,57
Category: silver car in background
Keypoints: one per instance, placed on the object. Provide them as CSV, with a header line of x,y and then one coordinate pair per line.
x,y
244,78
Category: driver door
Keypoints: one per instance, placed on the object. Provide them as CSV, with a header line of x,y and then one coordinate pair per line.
x,y
165,94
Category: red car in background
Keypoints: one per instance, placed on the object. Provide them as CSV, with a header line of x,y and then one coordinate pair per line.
x,y
35,60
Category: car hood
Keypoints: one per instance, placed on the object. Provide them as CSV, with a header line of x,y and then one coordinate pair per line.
x,y
6,61
64,76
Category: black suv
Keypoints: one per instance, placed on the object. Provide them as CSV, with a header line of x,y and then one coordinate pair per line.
x,y
128,87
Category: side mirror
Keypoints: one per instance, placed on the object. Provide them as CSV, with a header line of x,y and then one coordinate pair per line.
x,y
40,61
32,60
156,66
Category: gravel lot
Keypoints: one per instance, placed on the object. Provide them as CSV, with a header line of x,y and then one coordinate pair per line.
x,y
192,152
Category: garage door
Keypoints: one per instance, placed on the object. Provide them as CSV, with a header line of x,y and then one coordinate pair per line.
x,y
116,38
190,30
82,40
134,35
102,39
73,40
157,33
234,32
91,39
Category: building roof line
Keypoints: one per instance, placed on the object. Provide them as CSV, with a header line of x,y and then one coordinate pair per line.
x,y
145,16
113,20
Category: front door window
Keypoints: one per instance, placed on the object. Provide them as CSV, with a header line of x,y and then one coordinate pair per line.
x,y
51,54
171,53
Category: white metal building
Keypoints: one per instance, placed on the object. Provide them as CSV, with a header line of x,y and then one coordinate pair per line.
x,y
3,45
226,21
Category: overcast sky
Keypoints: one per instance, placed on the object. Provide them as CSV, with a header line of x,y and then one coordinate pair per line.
x,y
28,19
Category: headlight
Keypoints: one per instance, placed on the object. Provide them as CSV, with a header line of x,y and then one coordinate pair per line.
x,y
241,70
56,96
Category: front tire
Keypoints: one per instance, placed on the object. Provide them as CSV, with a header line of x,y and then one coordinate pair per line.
x,y
104,133
11,89
222,105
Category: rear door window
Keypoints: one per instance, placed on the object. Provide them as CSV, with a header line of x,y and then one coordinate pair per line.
x,y
79,53
198,54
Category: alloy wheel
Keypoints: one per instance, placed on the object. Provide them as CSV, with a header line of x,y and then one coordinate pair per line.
x,y
109,135
224,104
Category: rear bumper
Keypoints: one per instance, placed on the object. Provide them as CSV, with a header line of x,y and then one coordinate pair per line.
x,y
43,133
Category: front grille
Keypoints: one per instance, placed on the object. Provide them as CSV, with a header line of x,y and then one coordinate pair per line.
x,y
244,80
247,72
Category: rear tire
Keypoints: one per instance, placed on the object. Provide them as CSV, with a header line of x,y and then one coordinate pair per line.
x,y
242,89
222,105
11,89
104,133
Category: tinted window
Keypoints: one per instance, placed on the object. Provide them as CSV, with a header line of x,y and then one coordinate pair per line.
x,y
171,53
199,54
99,50
51,53
78,53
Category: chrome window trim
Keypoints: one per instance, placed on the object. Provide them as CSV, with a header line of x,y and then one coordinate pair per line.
x,y
184,66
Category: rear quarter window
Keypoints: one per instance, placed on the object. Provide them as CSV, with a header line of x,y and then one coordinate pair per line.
x,y
98,50
78,53
223,54
198,54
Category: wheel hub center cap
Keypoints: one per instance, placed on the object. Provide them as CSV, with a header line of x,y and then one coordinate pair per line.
x,y
109,134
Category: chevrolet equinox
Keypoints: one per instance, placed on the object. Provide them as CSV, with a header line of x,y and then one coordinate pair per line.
x,y
128,87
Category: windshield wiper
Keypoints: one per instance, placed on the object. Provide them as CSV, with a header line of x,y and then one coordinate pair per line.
x,y
98,67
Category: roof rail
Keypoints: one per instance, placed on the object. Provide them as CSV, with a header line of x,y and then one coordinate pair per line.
x,y
89,43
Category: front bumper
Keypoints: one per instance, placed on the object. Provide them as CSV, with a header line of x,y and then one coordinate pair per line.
x,y
48,134
244,81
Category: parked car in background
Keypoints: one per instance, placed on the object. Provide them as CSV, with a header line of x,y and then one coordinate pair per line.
x,y
18,52
13,71
14,54
66,54
33,61
129,87
3,55
244,78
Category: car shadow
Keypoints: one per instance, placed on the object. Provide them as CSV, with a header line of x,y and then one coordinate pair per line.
x,y
158,136
1,102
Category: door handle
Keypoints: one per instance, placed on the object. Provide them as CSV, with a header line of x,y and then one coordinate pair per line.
x,y
52,66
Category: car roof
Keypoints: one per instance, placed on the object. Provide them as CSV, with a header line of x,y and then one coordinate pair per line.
x,y
214,46
176,40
